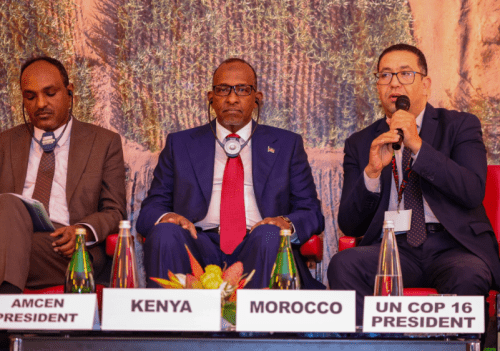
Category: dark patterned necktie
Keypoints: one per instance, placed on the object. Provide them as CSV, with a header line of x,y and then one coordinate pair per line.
x,y
413,201
44,178
232,205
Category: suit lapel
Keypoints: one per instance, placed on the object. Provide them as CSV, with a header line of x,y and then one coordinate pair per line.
x,y
201,149
265,149
429,124
20,146
81,141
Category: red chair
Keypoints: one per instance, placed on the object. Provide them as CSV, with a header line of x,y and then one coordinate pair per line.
x,y
313,251
491,203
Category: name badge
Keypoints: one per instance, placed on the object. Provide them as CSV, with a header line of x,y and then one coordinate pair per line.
x,y
161,309
424,314
296,311
401,219
49,312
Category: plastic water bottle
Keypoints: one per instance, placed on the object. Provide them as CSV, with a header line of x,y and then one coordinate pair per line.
x,y
124,269
389,280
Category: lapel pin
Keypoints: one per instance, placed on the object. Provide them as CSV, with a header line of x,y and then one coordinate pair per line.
x,y
270,149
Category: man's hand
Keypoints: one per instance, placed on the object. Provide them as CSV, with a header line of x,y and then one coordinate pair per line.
x,y
277,221
381,153
408,124
65,244
181,221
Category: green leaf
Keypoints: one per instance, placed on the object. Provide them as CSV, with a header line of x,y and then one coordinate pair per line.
x,y
229,312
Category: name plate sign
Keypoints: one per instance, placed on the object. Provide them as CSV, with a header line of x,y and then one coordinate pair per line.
x,y
48,312
161,309
295,311
424,314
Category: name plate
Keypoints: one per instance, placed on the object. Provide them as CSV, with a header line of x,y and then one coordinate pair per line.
x,y
296,311
48,312
161,309
424,314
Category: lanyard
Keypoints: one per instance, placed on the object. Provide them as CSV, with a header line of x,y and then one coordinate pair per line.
x,y
406,176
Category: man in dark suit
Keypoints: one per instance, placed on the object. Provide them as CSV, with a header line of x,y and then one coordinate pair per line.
x,y
455,250
189,202
85,187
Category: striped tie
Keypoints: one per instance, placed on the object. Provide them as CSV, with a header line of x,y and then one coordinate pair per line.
x,y
44,178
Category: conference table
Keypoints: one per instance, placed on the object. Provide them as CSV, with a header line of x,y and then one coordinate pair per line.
x,y
106,334
238,341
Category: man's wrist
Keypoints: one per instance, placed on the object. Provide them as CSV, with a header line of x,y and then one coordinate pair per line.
x,y
290,224
371,173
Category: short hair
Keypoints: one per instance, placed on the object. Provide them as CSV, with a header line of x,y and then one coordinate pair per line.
x,y
422,63
52,61
237,59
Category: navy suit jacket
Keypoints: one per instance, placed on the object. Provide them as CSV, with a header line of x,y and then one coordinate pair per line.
x,y
282,179
452,168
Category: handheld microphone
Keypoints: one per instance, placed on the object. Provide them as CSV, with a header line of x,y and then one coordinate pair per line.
x,y
402,103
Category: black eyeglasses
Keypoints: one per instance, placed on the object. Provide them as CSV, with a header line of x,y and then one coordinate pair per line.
x,y
404,77
240,90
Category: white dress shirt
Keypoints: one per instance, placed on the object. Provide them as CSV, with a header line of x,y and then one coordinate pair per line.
x,y
58,205
373,184
252,213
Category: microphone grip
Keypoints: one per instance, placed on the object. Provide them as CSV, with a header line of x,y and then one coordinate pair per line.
x,y
397,146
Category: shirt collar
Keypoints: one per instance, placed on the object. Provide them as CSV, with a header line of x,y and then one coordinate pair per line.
x,y
244,132
39,132
419,120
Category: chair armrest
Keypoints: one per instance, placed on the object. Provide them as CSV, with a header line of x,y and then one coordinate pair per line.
x,y
419,291
492,303
347,242
111,241
313,248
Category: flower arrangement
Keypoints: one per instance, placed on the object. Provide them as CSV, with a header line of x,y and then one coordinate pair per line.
x,y
227,280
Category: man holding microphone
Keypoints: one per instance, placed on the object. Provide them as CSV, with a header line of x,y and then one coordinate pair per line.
x,y
439,173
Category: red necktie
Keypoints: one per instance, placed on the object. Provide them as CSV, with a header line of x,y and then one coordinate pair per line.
x,y
233,225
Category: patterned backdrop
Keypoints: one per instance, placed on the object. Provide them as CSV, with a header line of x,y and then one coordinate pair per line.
x,y
143,67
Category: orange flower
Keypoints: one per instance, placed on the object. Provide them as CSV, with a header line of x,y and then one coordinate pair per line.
x,y
233,273
195,266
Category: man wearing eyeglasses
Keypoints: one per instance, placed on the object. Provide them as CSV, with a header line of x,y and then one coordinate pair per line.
x,y
439,174
228,207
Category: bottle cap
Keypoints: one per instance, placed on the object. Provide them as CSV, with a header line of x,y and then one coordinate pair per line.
x,y
80,231
124,224
285,232
389,224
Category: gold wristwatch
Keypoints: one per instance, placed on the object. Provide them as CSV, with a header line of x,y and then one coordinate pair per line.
x,y
286,219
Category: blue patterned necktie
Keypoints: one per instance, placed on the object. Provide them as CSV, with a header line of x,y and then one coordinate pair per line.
x,y
413,201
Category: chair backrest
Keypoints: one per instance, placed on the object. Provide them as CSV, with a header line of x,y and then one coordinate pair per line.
x,y
491,200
